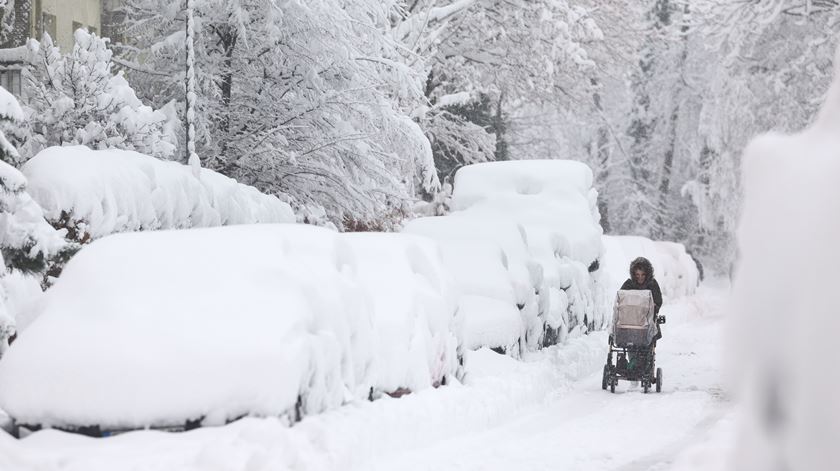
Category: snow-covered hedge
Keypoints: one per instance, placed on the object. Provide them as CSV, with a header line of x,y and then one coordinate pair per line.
x,y
101,192
156,328
543,217
675,270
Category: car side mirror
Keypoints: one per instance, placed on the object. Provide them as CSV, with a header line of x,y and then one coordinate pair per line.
x,y
660,320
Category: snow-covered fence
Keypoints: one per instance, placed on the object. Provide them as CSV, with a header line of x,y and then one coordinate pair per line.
x,y
675,270
543,217
94,193
213,324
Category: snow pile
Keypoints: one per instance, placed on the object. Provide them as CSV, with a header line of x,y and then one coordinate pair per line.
x,y
786,306
266,320
100,192
674,269
555,205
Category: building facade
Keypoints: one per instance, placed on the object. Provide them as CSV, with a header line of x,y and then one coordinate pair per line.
x,y
61,18
24,19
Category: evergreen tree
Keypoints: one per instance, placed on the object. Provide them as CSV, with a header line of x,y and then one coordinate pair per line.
x,y
27,242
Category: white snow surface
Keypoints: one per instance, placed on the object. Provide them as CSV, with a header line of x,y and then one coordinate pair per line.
x,y
785,294
553,198
9,107
154,328
546,412
110,191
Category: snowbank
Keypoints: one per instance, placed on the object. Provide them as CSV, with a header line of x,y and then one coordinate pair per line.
x,y
673,268
785,308
266,320
110,191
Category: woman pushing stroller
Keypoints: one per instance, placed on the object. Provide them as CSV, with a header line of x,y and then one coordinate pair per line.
x,y
635,330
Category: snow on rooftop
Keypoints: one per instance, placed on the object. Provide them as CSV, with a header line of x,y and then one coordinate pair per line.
x,y
13,55
109,191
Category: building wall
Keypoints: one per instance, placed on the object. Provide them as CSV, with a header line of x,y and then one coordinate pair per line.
x,y
62,15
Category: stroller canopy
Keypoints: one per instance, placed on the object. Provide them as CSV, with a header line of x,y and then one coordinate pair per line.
x,y
634,324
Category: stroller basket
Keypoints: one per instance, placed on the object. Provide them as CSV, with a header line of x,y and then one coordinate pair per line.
x,y
634,323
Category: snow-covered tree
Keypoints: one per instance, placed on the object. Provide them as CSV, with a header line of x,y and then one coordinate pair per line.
x,y
499,55
27,242
14,22
768,65
78,98
305,100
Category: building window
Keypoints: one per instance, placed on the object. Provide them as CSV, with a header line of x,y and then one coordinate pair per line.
x,y
48,25
92,30
10,80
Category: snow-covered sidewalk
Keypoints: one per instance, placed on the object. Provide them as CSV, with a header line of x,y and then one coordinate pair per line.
x,y
546,412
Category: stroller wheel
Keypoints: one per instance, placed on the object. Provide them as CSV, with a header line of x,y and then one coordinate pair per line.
x,y
613,382
659,380
646,385
605,377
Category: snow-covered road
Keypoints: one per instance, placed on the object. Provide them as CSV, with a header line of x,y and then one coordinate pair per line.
x,y
581,427
547,412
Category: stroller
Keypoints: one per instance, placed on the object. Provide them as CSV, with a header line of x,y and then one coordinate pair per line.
x,y
634,330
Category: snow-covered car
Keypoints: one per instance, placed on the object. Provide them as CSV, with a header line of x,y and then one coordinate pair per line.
x,y
496,292
555,204
174,329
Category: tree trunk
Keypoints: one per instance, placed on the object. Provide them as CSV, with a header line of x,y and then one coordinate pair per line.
x,y
668,159
227,40
602,157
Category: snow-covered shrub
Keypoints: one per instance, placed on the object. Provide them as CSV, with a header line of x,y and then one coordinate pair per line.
x,y
77,98
27,242
99,192
554,202
265,320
